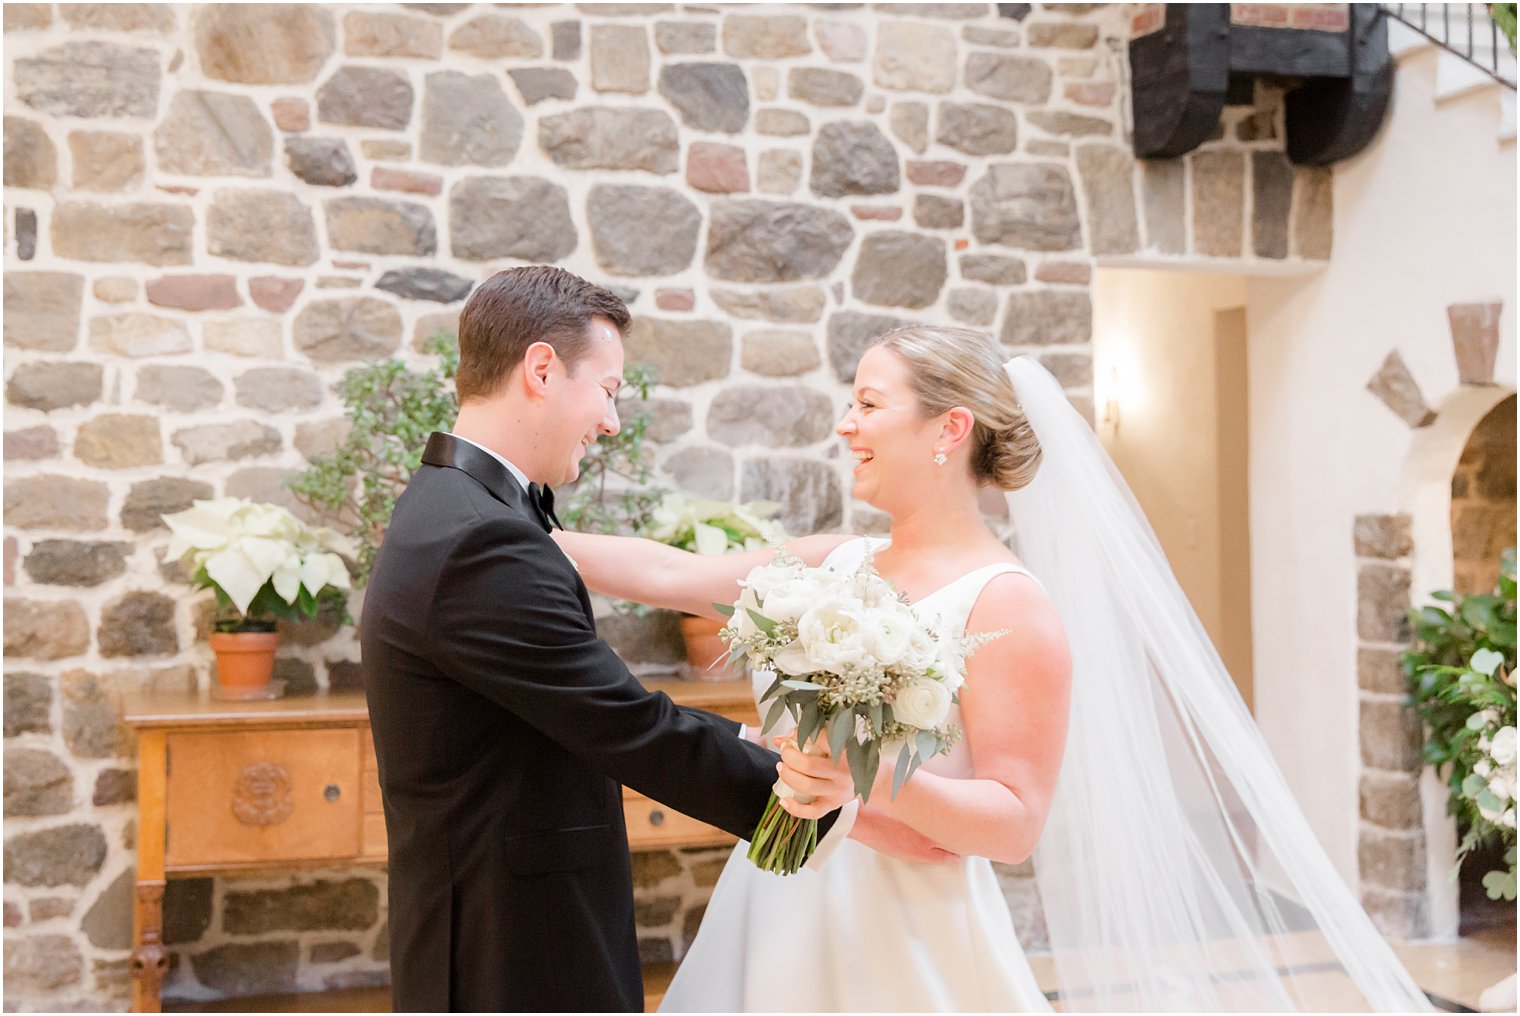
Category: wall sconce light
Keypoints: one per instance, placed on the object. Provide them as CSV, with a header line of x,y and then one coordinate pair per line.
x,y
1111,402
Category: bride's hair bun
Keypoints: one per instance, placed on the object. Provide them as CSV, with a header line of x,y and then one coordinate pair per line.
x,y
963,367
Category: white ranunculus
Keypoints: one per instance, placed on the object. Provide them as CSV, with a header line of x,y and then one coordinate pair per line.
x,y
922,650
793,661
923,704
1503,746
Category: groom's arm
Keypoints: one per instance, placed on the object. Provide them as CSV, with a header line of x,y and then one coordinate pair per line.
x,y
507,621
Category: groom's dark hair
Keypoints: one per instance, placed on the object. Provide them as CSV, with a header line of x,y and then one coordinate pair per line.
x,y
513,309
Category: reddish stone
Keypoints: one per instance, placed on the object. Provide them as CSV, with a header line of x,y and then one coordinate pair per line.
x,y
962,243
716,168
169,188
882,212
1074,273
1475,339
936,174
274,294
291,114
675,299
195,292
10,560
1091,93
386,178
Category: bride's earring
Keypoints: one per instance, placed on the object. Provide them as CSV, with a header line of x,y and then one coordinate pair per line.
x,y
939,458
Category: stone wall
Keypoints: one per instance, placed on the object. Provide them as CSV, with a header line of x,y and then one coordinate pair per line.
x,y
212,212
1483,501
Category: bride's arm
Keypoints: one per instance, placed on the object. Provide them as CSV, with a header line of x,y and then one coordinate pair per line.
x,y
629,568
1014,713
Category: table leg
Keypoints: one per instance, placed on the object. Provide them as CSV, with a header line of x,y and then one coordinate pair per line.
x,y
150,960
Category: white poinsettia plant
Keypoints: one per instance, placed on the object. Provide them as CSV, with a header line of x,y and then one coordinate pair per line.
x,y
262,561
715,527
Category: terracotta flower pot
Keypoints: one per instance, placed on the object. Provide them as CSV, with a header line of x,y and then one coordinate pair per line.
x,y
245,660
703,647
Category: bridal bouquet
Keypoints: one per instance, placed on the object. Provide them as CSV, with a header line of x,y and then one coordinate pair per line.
x,y
854,665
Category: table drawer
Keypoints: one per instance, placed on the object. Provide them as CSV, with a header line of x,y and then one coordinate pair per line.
x,y
652,824
247,797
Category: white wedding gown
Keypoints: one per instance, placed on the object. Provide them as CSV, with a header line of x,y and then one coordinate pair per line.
x,y
868,933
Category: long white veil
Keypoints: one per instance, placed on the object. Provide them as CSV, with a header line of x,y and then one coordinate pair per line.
x,y
1176,871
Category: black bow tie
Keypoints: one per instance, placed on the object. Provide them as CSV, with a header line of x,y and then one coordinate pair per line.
x,y
542,500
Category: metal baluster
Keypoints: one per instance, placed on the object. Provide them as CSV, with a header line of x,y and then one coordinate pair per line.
x,y
1469,32
1493,30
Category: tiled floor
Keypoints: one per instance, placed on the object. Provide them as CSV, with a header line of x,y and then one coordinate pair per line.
x,y
1454,973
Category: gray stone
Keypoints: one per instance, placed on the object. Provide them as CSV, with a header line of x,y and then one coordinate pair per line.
x,y
1398,390
976,307
1391,800
63,855
332,952
261,225
322,438
182,389
1028,206
781,123
709,96
264,44
931,211
914,57
75,563
31,160
287,389
779,417
1219,194
119,441
786,304
668,419
28,703
37,782
779,353
1398,915
1108,174
42,310
685,38
366,97
433,284
535,84
1313,213
366,33
1163,186
823,87
55,502
256,968
1475,340
114,786
214,134
520,217
655,950
1062,34
1003,38
807,490
1071,370
600,137
150,499
108,922
321,162
849,335
765,36
187,909
493,37
1381,671
655,912
139,335
899,269
853,158
345,675
1391,735
703,472
1022,79
1047,318
39,965
993,268
910,124
1382,594
620,58
48,386
779,171
146,232
681,352
467,120
1272,186
772,241
352,904
360,329
91,79
221,442
1392,860
620,216
977,128
378,226
1385,536
1055,121
31,443
138,624
265,483
567,40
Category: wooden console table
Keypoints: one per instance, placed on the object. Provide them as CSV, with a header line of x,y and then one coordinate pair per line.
x,y
227,787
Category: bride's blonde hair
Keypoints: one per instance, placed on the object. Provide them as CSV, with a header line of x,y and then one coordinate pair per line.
x,y
962,367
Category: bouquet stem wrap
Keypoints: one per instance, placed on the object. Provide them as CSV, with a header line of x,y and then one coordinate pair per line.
x,y
783,842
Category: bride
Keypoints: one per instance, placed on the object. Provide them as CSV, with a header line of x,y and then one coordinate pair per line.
x,y
1102,737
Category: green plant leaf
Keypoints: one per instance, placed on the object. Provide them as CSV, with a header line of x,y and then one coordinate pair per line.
x,y
775,714
765,624
841,727
726,609
900,773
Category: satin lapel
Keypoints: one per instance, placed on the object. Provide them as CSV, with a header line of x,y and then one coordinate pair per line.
x,y
449,451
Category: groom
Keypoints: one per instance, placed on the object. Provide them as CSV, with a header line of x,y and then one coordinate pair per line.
x,y
502,724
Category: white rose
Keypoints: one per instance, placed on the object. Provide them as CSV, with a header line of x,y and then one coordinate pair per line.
x,y
923,704
1503,747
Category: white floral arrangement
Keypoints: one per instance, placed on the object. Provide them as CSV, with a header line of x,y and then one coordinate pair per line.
x,y
261,560
1491,783
715,527
856,665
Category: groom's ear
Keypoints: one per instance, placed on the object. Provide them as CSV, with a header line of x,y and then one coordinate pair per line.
x,y
538,366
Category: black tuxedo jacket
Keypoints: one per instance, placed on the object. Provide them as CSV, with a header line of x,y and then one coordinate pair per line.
x,y
503,728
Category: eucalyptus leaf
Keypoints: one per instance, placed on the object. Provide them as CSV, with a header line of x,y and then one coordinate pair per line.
x,y
765,624
1486,661
726,609
841,726
774,715
900,775
801,685
927,744
855,754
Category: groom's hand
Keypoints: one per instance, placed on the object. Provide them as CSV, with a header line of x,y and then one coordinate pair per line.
x,y
817,776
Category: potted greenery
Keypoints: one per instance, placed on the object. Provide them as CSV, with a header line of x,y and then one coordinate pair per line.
x,y
263,564
712,527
